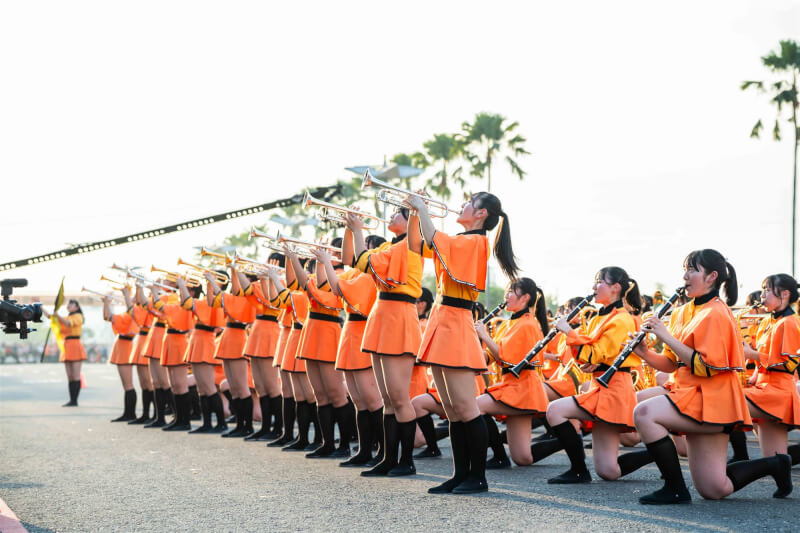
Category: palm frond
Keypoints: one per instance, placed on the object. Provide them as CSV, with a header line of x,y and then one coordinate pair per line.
x,y
750,83
776,131
755,133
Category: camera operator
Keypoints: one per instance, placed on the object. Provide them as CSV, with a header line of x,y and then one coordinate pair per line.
x,y
74,353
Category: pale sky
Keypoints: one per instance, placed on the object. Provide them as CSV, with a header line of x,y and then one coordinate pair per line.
x,y
119,117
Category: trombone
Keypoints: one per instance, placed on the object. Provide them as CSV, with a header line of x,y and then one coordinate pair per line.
x,y
222,259
192,280
389,194
337,214
221,277
112,297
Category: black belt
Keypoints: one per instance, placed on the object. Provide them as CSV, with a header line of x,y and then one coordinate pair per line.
x,y
144,332
326,318
160,324
203,327
174,331
508,370
126,337
397,297
268,318
235,325
352,317
461,303
297,325
72,337
602,367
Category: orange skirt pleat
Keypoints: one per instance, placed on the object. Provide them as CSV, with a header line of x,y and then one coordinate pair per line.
x,y
526,393
718,399
137,354
612,405
231,346
174,353
155,346
392,329
290,362
121,352
350,356
320,342
263,339
450,340
775,393
73,351
419,381
563,387
280,347
202,347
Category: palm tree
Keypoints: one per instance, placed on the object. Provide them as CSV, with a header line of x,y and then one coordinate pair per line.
x,y
785,62
486,138
443,149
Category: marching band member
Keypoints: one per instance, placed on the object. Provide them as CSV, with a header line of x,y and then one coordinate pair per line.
x,y
239,313
773,400
706,402
610,410
74,353
260,348
517,398
144,322
358,293
152,351
126,329
392,335
200,354
450,345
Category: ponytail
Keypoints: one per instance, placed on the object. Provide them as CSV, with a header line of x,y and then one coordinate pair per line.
x,y
503,249
781,282
713,261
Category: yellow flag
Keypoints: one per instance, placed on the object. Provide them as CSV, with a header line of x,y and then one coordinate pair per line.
x,y
55,325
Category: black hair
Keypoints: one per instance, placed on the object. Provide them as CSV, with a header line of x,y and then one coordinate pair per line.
x,y
536,300
781,282
754,297
404,211
76,305
310,264
630,289
503,250
427,297
373,241
713,261
337,242
195,291
647,303
224,285
252,277
279,257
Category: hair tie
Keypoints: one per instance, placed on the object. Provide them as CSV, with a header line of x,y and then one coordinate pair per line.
x,y
631,285
536,301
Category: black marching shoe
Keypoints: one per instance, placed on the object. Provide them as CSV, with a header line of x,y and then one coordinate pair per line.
x,y
205,409
265,433
147,400
391,441
571,476
129,412
325,417
428,453
238,430
182,408
667,495
460,460
158,421
674,490
74,387
498,463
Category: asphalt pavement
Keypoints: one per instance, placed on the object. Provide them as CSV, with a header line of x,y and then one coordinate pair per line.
x,y
70,469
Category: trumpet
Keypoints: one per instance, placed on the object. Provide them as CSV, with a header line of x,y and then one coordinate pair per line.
x,y
223,259
142,279
389,194
221,277
192,280
118,284
337,214
112,297
255,234
248,266
306,246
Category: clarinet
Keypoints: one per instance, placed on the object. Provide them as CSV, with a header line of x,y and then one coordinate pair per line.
x,y
519,367
605,379
493,313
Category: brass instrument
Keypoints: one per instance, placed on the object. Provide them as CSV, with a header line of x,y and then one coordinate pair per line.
x,y
644,379
389,194
248,266
192,280
222,259
221,277
572,370
306,246
334,213
274,246
118,284
114,298
142,279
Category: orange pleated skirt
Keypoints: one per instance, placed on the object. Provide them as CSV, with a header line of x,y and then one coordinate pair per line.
x,y
392,329
73,350
717,400
320,341
450,340
262,339
613,405
350,356
231,346
563,387
419,381
155,343
280,347
137,355
174,353
202,347
290,362
526,393
121,351
775,393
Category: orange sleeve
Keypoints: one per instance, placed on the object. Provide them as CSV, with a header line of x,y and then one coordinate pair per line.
x,y
141,316
519,340
389,266
238,308
463,257
358,292
321,297
207,314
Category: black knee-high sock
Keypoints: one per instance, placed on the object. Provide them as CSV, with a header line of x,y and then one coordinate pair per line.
x,y
407,431
266,416
130,403
477,442
304,414
289,416
742,473
74,390
315,420
631,461
194,401
794,453
573,445
493,435
665,456
277,413
171,400
739,445
537,421
345,419
461,463
246,405
391,439
147,401
231,406
376,418
364,425
205,410
216,407
325,425
428,430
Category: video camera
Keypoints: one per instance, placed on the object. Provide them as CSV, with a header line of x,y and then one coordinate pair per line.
x,y
11,313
